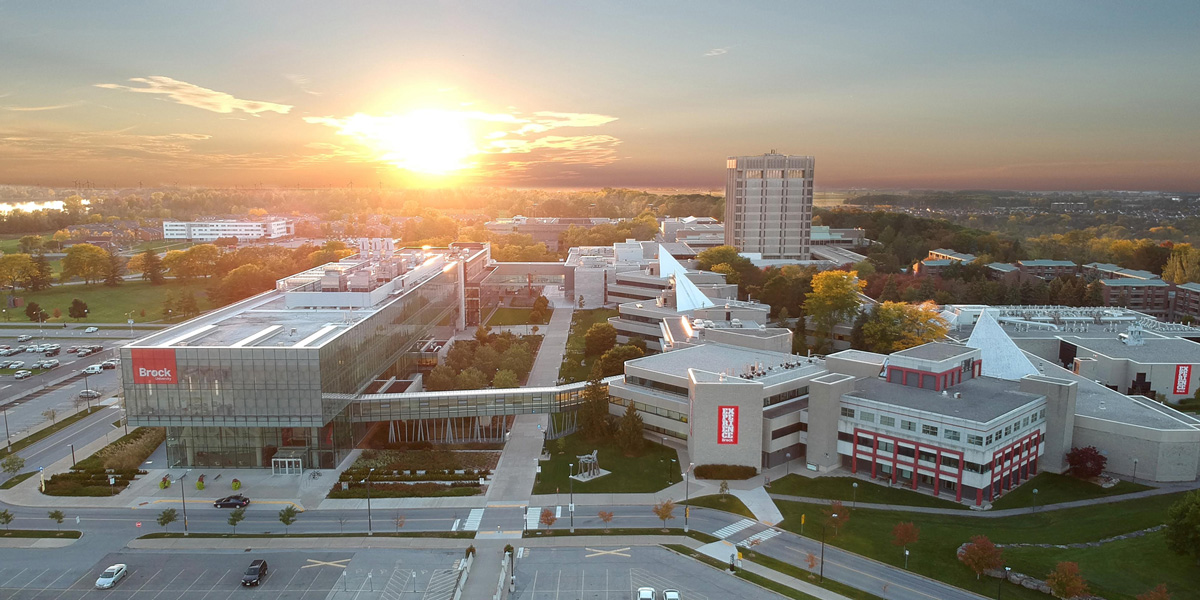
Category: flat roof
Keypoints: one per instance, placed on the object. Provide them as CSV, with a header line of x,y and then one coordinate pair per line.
x,y
1160,350
935,351
999,266
715,358
983,398
1096,400
1045,262
1129,281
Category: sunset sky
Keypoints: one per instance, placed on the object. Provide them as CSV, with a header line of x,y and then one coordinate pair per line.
x,y
1026,95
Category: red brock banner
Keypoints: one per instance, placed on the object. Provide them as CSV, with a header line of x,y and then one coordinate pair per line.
x,y
727,426
1183,378
154,365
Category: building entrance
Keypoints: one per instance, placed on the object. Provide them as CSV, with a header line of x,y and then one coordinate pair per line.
x,y
287,466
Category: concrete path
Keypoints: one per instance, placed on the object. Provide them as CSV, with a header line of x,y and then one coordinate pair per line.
x,y
761,504
554,346
513,478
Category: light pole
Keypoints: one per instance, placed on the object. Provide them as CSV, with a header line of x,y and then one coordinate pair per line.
x,y
906,558
787,463
368,482
687,495
571,483
673,461
1000,588
1135,470
1034,499
854,496
129,318
823,523
7,437
183,499
72,454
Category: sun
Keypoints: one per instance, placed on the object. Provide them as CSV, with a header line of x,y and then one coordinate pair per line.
x,y
432,142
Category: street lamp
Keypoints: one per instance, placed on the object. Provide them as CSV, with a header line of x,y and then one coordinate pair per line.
x,y
1034,499
854,496
7,437
72,454
906,558
673,461
787,464
129,318
1135,469
183,499
823,524
1000,588
687,495
571,483
368,482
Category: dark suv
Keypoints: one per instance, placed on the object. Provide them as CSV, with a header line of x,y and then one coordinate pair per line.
x,y
255,572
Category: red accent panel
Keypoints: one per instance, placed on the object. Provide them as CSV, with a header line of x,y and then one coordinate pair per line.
x,y
727,424
154,365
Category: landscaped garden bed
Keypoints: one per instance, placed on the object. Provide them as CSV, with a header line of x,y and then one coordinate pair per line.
x,y
416,473
118,462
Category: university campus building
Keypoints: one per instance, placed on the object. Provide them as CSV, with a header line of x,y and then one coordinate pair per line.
x,y
207,231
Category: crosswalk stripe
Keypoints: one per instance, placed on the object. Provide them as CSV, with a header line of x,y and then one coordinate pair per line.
x,y
473,520
729,530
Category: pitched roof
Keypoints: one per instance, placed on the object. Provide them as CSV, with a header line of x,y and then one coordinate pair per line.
x,y
1001,357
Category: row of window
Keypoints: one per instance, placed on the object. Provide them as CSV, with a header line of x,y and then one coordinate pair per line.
x,y
946,433
651,409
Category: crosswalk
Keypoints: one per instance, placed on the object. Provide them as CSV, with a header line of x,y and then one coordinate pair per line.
x,y
760,537
533,515
729,530
473,519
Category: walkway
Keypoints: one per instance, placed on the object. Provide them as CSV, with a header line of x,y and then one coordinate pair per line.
x,y
554,347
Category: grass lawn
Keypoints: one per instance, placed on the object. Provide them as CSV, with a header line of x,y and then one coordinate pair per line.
x,y
1053,488
515,316
571,370
841,488
650,472
727,502
162,245
11,483
868,532
40,533
45,432
111,304
1118,570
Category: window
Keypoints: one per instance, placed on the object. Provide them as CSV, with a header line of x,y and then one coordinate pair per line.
x,y
1016,426
866,417
1042,414
887,421
974,440
927,456
848,412
1025,423
885,446
867,442
929,430
989,440
1008,431
951,434
908,425
906,451
950,461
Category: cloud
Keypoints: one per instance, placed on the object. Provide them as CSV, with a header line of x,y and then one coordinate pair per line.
x,y
39,108
198,97
718,51
301,82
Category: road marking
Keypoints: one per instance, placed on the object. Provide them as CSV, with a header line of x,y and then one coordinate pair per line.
x,y
760,537
557,512
5,584
454,527
473,519
729,530
164,588
617,552
865,574
324,563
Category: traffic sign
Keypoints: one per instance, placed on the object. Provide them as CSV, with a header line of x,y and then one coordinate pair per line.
x,y
139,523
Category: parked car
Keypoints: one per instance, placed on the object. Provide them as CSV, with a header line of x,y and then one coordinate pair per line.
x,y
255,573
16,364
24,338
91,330
646,593
671,595
72,349
50,364
234,501
23,374
89,394
108,364
111,576
93,370
52,352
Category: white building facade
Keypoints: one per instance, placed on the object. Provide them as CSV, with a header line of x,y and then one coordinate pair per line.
x,y
208,231
768,205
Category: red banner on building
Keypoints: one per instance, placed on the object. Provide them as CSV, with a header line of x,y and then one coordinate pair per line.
x,y
1183,378
154,365
727,424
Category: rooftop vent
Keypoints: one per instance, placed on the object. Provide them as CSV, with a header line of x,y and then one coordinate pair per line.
x,y
958,394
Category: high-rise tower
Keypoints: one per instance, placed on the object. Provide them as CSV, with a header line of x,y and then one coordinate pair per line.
x,y
768,204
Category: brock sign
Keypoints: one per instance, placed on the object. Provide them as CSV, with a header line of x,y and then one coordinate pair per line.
x,y
154,365
727,424
1183,378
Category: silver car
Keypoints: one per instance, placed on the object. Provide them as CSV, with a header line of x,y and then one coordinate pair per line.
x,y
23,374
671,595
646,593
111,576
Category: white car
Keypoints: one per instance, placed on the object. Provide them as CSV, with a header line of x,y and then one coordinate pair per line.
x,y
91,330
23,374
16,364
671,595
24,338
646,593
111,576
89,394
94,370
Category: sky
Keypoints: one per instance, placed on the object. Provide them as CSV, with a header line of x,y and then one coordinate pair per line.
x,y
1059,95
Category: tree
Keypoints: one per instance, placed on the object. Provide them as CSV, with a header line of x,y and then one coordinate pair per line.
x,y
6,518
518,359
613,362
895,326
166,517
904,534
1183,526
1066,582
15,269
834,298
236,516
244,281
593,415
605,516
84,261
1086,462
600,338
42,275
398,520
547,518
1158,593
723,489
981,555
57,516
665,511
811,560
441,378
50,414
152,268
630,431
836,516
12,464
891,290
34,311
187,304
30,243
471,379
287,516
78,309
505,379
114,268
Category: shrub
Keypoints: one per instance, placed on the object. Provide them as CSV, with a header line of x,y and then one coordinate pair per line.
x,y
120,460
410,490
735,472
1086,462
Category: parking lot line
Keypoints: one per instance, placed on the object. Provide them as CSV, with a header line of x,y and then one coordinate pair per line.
x,y
147,581
34,579
5,584
216,582
192,584
164,588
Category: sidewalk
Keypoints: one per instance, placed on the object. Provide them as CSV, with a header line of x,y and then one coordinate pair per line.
x,y
554,346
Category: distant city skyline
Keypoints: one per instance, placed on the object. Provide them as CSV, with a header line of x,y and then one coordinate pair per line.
x,y
1068,95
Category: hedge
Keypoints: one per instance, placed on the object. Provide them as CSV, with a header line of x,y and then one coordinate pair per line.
x,y
408,490
735,472
119,460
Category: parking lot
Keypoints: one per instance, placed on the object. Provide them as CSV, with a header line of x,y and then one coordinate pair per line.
x,y
292,575
608,573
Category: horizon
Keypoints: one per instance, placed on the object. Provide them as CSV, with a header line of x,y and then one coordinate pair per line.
x,y
1069,97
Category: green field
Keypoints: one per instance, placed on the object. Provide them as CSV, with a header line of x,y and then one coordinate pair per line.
x,y
576,366
726,502
1053,488
110,304
842,488
515,316
650,472
162,246
868,532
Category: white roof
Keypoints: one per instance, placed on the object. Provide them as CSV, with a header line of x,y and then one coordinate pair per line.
x,y
1001,357
687,295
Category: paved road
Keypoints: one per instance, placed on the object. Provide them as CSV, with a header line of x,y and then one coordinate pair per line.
x,y
25,412
58,445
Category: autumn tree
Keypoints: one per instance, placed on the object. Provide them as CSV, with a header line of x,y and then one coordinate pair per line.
x,y
905,534
1183,526
547,518
836,515
15,269
895,326
1086,462
1158,593
665,511
613,362
981,555
505,379
811,560
834,298
42,275
35,312
606,517
85,261
1065,581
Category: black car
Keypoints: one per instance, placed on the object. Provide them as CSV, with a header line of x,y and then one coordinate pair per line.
x,y
255,572
235,501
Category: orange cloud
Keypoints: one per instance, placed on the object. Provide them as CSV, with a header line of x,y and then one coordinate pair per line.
x,y
198,97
